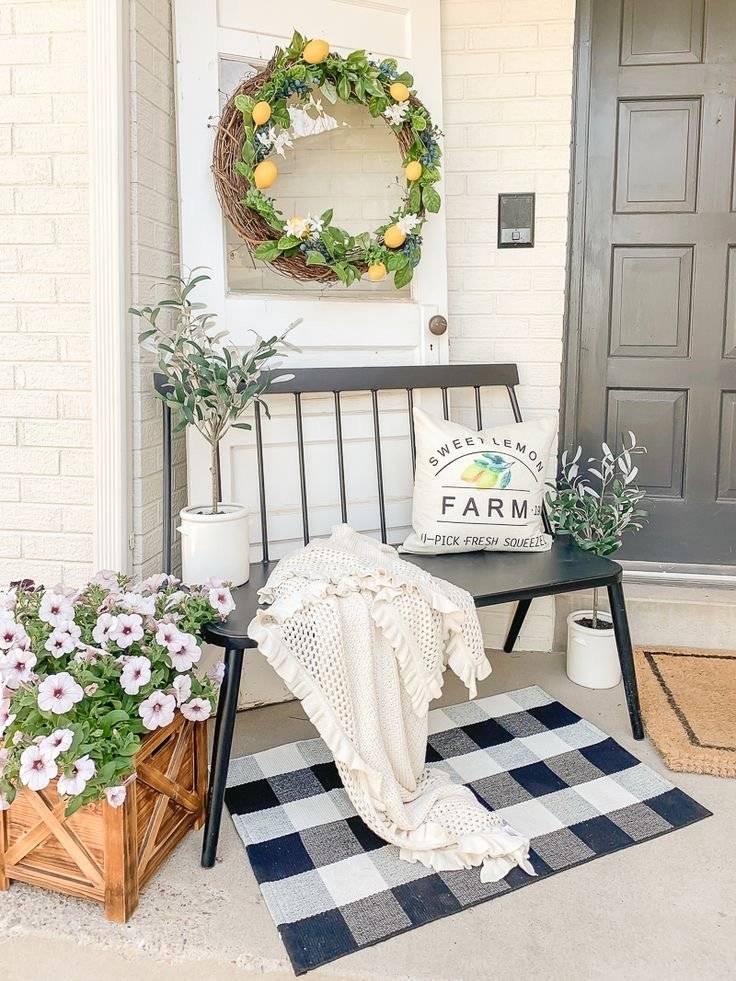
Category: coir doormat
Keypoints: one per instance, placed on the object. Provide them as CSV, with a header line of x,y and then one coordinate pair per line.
x,y
688,701
333,887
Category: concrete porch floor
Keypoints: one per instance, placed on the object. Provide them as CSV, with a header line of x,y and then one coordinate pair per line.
x,y
666,908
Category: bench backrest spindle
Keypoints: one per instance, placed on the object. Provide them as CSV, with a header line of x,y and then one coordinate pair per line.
x,y
340,381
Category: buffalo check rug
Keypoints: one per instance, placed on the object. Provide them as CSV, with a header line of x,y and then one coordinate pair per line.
x,y
333,887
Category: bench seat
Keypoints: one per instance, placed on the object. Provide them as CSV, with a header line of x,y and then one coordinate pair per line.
x,y
489,577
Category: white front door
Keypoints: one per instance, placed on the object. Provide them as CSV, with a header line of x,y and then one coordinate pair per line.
x,y
220,43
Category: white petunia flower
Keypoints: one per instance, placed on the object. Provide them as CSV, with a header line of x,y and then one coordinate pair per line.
x,y
407,223
127,630
55,608
221,599
16,667
37,768
182,685
107,578
135,603
217,672
176,598
80,773
297,227
396,113
106,623
167,634
58,742
12,634
59,693
198,710
157,710
116,795
136,673
185,652
63,639
6,718
8,597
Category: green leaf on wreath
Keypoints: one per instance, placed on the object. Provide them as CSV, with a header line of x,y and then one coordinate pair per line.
x,y
403,276
418,122
414,200
288,242
431,199
315,258
326,216
406,78
329,91
245,103
267,251
343,89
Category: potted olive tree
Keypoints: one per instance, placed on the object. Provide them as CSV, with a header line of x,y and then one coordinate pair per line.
x,y
210,386
596,505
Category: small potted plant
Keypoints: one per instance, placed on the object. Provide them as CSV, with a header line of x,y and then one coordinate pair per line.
x,y
102,733
596,506
210,386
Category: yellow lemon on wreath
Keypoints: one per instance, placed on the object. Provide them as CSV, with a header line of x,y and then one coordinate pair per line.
x,y
393,237
261,113
399,92
315,51
265,174
376,272
413,170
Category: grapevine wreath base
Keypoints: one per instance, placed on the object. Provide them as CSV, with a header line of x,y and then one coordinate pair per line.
x,y
258,124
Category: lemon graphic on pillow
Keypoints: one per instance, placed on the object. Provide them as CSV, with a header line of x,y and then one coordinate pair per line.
x,y
488,471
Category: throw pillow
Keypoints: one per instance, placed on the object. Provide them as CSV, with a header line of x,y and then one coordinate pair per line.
x,y
476,491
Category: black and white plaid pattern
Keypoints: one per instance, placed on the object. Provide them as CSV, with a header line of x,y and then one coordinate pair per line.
x,y
333,887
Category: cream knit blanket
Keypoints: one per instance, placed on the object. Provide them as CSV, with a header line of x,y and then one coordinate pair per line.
x,y
362,638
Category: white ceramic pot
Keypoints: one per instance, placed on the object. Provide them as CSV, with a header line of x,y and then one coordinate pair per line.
x,y
592,656
215,545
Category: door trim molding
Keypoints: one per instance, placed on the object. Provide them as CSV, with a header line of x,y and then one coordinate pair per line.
x,y
107,50
576,223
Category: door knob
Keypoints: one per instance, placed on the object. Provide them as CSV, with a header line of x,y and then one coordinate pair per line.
x,y
437,325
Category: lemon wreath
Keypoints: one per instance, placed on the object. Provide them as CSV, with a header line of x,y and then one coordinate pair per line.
x,y
283,101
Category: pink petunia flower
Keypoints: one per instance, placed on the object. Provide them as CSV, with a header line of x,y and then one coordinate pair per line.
x,y
37,768
57,742
185,652
157,710
55,608
16,667
59,693
221,599
198,710
116,795
167,634
135,674
128,630
76,780
12,634
63,639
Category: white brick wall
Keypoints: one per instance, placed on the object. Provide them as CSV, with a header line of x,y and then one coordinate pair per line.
x,y
155,254
46,479
507,84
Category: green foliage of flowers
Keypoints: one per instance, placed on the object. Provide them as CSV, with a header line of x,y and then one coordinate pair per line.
x,y
102,723
352,79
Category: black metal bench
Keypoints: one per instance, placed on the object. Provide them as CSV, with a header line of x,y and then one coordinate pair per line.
x,y
490,577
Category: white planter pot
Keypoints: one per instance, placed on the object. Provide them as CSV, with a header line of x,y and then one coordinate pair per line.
x,y
592,656
215,545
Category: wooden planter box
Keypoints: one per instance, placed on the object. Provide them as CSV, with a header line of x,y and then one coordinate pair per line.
x,y
104,853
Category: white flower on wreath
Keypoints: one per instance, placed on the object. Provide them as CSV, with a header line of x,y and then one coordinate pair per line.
x,y
59,693
198,710
157,710
407,223
275,141
135,674
59,741
37,768
396,113
55,608
80,773
298,227
127,630
16,667
315,226
116,795
182,685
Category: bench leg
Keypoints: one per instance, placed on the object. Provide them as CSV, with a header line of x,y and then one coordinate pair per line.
x,y
224,725
522,608
625,656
